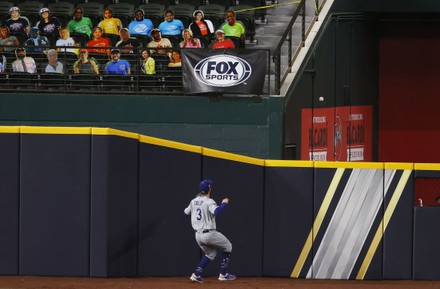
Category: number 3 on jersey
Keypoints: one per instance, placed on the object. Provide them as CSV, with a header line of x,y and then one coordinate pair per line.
x,y
199,214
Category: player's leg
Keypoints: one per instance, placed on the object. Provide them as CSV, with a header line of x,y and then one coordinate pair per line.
x,y
210,254
222,243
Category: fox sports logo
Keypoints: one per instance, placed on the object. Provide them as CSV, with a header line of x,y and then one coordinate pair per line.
x,y
223,70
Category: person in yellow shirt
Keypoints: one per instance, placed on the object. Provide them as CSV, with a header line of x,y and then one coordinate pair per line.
x,y
110,25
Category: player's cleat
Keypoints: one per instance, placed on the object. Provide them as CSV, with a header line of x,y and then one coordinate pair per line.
x,y
227,277
197,279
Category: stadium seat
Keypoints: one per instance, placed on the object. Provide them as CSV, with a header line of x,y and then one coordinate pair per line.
x,y
31,9
154,12
62,10
94,11
4,9
123,11
183,12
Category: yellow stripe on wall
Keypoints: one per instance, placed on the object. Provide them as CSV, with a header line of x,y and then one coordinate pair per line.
x,y
54,130
170,144
317,223
383,224
232,157
115,132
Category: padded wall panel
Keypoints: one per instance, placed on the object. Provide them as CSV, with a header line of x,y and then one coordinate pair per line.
x,y
348,199
169,176
426,242
241,180
288,216
114,205
9,209
54,202
398,237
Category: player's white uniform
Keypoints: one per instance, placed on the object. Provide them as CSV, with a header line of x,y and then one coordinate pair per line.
x,y
202,209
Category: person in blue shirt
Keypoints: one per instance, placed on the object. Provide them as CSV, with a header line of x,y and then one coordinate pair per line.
x,y
116,65
171,26
140,25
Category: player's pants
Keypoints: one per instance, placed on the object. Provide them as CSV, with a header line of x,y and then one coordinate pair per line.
x,y
212,241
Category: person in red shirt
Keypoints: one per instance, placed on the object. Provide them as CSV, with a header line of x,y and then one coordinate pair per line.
x,y
222,42
101,43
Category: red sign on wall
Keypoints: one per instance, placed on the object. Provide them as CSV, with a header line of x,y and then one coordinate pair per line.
x,y
337,134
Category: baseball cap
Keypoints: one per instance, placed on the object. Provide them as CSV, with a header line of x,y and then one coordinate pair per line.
x,y
154,30
19,49
44,9
139,9
83,50
115,50
15,8
220,31
204,186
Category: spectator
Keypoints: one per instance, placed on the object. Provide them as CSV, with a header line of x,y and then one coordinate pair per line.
x,y
99,41
222,42
36,42
54,66
8,40
201,27
189,41
140,25
176,61
233,28
84,65
23,63
148,64
110,25
3,62
17,23
48,23
159,42
117,65
126,44
171,26
66,40
79,23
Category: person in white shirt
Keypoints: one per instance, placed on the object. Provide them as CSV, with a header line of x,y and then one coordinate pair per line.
x,y
54,66
65,40
23,63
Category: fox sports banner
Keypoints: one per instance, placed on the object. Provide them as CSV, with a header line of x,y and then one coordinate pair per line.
x,y
225,71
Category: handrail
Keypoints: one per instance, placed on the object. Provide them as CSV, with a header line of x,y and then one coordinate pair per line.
x,y
279,79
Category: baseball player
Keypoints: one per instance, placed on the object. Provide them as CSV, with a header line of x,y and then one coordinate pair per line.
x,y
203,211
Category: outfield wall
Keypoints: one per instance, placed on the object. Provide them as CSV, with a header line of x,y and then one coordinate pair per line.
x,y
105,203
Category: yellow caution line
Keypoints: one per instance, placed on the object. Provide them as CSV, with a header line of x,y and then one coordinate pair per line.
x,y
317,223
383,224
267,6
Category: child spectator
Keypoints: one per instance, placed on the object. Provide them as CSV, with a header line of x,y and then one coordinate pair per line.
x,y
84,65
148,64
110,25
234,28
66,40
79,23
140,25
201,27
23,63
171,26
189,41
126,43
10,42
117,65
36,42
17,23
222,42
98,41
48,23
54,66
